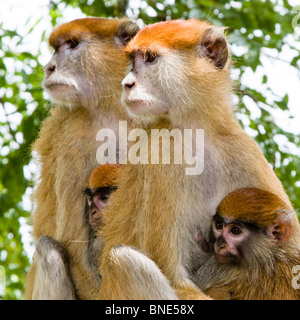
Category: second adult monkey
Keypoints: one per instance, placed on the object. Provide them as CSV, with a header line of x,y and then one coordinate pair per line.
x,y
180,78
83,80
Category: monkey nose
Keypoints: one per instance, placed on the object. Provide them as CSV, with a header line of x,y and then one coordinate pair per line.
x,y
129,81
128,86
218,247
49,69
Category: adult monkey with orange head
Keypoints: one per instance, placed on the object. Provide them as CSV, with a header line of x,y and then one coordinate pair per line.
x,y
83,79
180,78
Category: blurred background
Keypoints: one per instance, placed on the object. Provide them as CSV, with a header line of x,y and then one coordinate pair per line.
x,y
264,39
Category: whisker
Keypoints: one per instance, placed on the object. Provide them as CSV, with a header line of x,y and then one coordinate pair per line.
x,y
111,95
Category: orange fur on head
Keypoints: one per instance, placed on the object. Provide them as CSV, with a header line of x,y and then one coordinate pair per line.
x,y
175,34
105,175
84,28
252,205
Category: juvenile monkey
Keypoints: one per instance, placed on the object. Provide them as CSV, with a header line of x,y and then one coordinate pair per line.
x,y
103,181
52,259
131,266
253,258
179,78
83,80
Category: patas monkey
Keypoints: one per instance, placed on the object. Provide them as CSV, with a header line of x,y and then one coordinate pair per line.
x,y
179,78
103,181
83,80
253,258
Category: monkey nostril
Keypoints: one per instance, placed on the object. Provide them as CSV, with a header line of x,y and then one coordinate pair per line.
x,y
129,85
222,246
50,69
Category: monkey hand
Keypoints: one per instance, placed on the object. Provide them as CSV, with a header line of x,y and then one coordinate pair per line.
x,y
53,281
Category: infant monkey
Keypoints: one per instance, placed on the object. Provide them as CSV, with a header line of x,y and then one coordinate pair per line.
x,y
252,259
103,181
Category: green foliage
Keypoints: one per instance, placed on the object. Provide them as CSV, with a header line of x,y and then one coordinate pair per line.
x,y
20,77
252,25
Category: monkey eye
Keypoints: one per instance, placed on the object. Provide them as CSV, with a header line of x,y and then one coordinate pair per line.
x,y
104,197
150,57
236,230
72,43
219,224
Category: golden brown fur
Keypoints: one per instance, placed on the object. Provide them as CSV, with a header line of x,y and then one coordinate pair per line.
x,y
103,181
105,175
166,207
88,65
265,272
252,282
252,205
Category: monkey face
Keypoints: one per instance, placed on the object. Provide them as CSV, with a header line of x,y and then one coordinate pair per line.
x,y
142,94
229,238
171,71
88,63
64,79
97,202
164,84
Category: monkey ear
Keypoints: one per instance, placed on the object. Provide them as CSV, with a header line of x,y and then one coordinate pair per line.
x,y
281,228
127,30
213,46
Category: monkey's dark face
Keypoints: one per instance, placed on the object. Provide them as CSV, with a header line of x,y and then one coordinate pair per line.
x,y
228,237
98,200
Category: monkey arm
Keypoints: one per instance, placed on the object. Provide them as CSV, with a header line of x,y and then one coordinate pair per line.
x,y
51,271
130,275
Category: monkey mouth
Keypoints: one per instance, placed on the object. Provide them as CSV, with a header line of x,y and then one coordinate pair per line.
x,y
138,107
227,258
49,85
61,92
134,102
